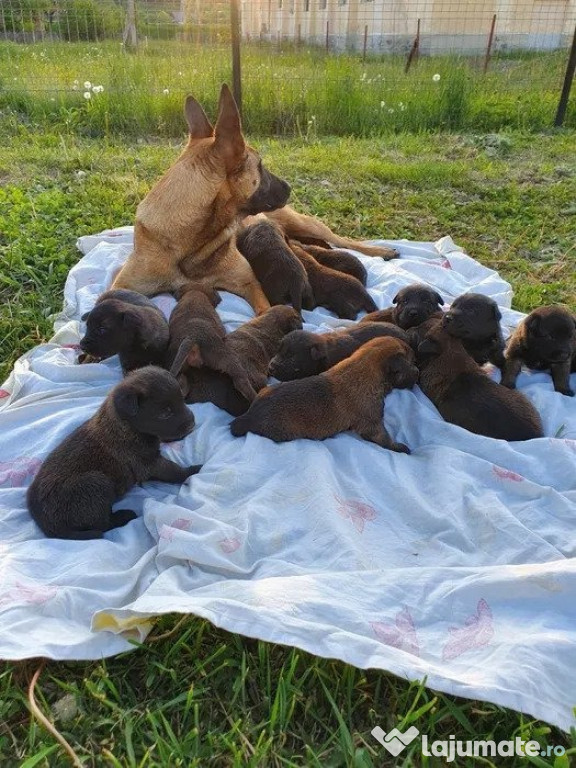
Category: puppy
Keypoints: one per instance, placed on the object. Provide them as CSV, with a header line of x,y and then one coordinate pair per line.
x,y
545,340
304,354
127,324
71,497
282,277
466,396
254,343
349,396
475,320
413,305
197,338
340,293
341,261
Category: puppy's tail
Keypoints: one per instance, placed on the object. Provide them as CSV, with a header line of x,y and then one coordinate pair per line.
x,y
239,427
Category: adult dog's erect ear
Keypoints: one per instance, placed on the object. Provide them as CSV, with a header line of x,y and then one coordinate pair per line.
x,y
228,130
199,125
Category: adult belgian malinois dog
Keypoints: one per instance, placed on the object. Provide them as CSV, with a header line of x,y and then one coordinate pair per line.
x,y
186,226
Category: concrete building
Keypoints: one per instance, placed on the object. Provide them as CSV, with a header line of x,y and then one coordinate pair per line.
x,y
446,26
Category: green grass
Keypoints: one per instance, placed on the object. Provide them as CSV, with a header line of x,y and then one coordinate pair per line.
x,y
203,696
288,91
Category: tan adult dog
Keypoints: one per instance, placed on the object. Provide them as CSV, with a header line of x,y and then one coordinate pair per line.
x,y
186,226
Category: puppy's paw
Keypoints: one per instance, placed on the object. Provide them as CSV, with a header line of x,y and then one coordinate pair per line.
x,y
568,392
192,470
121,517
400,448
84,359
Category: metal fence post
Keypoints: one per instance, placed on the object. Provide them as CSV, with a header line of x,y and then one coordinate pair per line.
x,y
235,36
568,78
489,46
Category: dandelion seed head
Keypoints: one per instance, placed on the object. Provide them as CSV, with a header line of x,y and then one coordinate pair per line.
x,y
87,85
436,77
166,91
87,95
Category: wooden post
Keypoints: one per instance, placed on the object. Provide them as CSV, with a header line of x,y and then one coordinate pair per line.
x,y
299,38
236,72
568,78
365,42
415,50
130,36
489,46
327,36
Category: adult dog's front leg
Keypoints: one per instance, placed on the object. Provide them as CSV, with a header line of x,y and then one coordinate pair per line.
x,y
238,278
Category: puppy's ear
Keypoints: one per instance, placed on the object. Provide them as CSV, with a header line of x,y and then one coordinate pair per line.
x,y
439,299
532,324
228,130
126,401
213,295
428,348
317,352
189,353
497,313
396,298
199,125
85,316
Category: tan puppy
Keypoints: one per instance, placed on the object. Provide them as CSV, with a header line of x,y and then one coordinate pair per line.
x,y
349,396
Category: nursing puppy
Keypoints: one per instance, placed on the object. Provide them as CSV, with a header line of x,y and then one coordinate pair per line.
x,y
282,277
545,340
341,261
254,343
349,396
197,338
127,324
304,354
71,497
475,320
466,396
340,293
413,305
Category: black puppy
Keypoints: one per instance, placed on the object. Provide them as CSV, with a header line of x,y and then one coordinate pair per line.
x,y
413,305
71,497
545,340
127,324
281,275
304,354
475,320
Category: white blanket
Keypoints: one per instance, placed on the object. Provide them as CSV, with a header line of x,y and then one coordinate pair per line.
x,y
456,563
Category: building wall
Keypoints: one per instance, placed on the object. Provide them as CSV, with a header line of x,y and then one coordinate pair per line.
x,y
446,25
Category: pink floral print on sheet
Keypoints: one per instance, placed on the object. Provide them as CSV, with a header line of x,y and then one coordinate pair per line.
x,y
358,512
506,474
34,593
402,634
229,545
477,632
14,473
180,524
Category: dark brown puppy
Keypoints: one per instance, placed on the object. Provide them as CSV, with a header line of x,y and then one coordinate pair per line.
x,y
340,293
71,497
413,306
197,338
349,396
545,340
127,324
475,320
341,261
304,354
254,343
282,277
466,396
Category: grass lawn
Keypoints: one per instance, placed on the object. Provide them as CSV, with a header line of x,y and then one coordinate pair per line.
x,y
203,696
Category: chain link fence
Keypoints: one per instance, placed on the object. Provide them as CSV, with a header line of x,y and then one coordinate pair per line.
x,y
309,67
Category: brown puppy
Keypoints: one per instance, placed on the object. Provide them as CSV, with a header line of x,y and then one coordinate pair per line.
x,y
349,396
341,261
465,396
545,340
71,497
413,305
304,354
281,275
475,320
254,343
127,324
197,338
340,293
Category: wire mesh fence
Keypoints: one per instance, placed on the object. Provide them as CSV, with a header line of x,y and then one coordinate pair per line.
x,y
312,67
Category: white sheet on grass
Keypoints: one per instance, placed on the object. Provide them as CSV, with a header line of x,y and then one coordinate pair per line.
x,y
456,563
